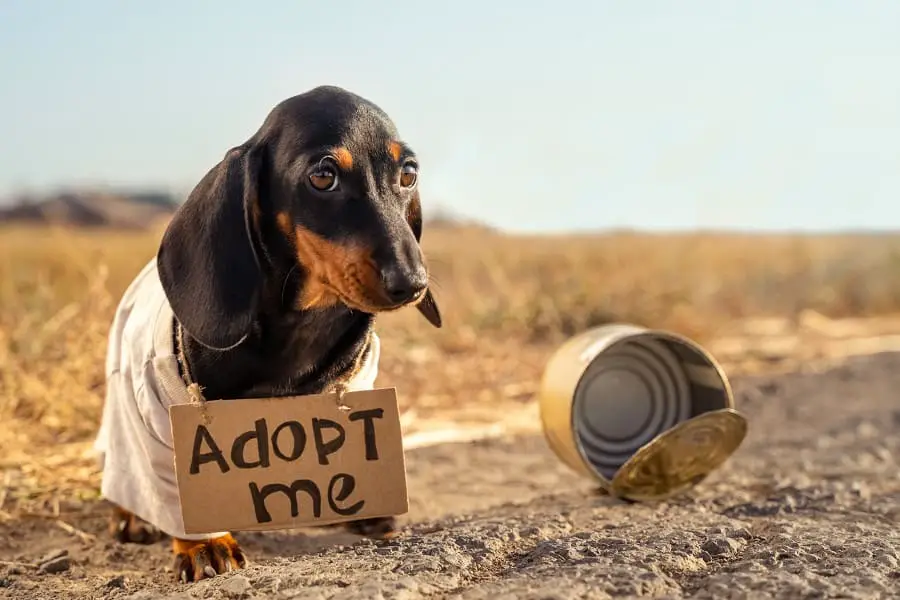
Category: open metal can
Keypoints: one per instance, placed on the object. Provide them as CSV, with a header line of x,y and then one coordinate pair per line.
x,y
647,414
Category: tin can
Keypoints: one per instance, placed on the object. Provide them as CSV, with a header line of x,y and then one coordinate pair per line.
x,y
646,413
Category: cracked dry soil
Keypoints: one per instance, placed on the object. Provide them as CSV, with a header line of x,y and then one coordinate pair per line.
x,y
809,507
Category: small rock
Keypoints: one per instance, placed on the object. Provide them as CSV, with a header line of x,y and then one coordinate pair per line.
x,y
887,560
57,565
116,582
739,533
236,587
721,546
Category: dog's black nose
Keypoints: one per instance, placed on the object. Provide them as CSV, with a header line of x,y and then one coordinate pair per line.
x,y
402,284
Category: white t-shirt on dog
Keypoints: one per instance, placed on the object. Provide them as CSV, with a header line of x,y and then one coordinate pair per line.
x,y
134,441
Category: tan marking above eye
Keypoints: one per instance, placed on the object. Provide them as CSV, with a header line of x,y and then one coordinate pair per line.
x,y
396,150
343,158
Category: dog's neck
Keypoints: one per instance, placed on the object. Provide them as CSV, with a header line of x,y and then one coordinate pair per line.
x,y
286,353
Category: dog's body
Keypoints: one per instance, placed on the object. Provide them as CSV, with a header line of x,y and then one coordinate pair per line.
x,y
266,283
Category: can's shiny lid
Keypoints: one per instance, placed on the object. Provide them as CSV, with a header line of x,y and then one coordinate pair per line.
x,y
681,457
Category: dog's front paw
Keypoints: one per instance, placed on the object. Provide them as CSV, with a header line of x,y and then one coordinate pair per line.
x,y
376,527
128,528
200,559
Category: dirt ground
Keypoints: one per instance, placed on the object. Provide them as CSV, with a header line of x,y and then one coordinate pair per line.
x,y
809,507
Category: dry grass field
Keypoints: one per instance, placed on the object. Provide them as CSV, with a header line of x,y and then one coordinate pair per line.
x,y
506,301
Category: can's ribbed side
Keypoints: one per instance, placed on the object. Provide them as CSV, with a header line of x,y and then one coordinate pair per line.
x,y
556,397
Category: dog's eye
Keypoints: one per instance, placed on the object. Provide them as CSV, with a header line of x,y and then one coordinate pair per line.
x,y
408,175
324,179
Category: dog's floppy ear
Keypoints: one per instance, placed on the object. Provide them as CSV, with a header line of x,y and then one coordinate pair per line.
x,y
427,305
207,260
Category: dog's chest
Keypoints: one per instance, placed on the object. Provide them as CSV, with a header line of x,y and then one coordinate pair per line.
x,y
291,361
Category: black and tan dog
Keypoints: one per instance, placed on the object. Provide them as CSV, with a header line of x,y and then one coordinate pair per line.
x,y
266,283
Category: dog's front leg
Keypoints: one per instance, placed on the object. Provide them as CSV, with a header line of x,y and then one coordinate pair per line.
x,y
200,559
377,527
128,528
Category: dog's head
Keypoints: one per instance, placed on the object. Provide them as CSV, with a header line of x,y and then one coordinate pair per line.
x,y
327,189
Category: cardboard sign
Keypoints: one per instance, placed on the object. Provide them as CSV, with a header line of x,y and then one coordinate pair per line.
x,y
278,463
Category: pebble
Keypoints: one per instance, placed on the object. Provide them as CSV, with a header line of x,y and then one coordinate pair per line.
x,y
721,546
236,587
56,565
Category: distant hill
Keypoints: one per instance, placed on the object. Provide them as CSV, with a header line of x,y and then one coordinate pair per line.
x,y
143,210
117,210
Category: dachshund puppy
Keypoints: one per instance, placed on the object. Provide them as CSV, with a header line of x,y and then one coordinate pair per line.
x,y
266,283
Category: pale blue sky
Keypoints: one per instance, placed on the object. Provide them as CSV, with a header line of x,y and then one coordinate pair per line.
x,y
534,116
